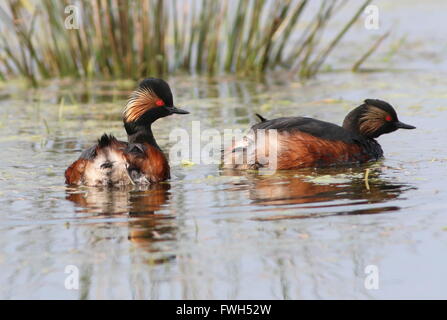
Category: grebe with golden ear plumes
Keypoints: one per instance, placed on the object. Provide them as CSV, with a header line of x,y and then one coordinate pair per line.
x,y
138,161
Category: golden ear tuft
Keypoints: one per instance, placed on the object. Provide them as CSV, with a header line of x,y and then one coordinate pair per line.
x,y
140,101
372,120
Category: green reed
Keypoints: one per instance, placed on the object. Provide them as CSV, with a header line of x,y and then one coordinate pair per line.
x,y
134,39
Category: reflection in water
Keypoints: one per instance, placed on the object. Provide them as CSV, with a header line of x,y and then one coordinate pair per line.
x,y
331,188
145,227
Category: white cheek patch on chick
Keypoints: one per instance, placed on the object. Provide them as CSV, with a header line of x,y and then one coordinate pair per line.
x,y
108,168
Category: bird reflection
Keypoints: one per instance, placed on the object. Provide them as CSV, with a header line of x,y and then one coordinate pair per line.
x,y
318,189
146,227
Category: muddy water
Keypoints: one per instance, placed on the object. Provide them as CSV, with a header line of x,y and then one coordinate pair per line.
x,y
211,234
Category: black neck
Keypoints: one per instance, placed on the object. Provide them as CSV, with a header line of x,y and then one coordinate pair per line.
x,y
140,134
351,122
369,145
351,127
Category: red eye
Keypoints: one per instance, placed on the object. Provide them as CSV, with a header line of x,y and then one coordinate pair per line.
x,y
159,103
388,118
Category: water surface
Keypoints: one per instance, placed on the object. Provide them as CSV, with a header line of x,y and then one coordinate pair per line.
x,y
209,234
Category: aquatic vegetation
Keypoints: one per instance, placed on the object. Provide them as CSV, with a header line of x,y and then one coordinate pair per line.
x,y
131,39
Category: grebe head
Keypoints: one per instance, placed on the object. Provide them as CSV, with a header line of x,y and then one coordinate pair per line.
x,y
150,101
374,118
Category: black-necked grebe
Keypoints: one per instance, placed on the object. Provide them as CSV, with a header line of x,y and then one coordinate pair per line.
x,y
306,142
138,161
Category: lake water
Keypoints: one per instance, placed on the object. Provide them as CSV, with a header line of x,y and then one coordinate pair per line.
x,y
208,234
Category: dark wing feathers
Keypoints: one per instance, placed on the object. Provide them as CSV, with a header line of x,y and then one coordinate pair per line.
x,y
136,148
317,128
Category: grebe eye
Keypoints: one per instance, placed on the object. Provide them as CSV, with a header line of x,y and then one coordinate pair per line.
x,y
388,118
159,103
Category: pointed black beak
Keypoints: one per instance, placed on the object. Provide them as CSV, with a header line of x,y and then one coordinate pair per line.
x,y
173,109
402,125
